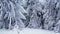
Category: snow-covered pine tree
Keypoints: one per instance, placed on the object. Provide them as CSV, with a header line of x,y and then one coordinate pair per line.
x,y
12,13
51,15
35,13
57,25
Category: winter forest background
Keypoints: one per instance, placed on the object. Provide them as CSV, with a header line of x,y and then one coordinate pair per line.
x,y
36,14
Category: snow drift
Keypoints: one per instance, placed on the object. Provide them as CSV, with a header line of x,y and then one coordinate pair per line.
x,y
27,31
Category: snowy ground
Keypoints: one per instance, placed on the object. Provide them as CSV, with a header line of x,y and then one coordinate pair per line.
x,y
27,31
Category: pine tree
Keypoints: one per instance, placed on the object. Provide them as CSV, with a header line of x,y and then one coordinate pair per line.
x,y
12,13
